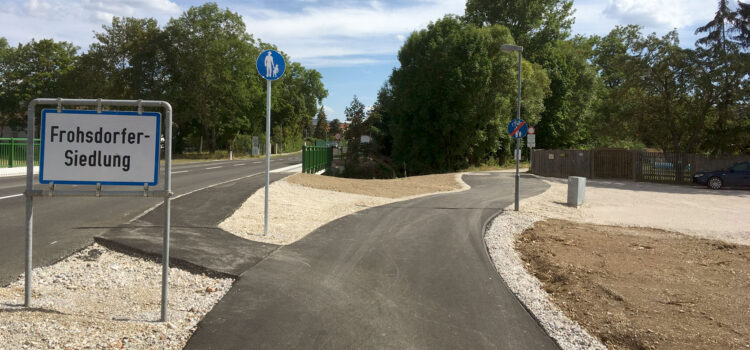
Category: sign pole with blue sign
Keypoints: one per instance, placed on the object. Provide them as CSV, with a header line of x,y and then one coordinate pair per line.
x,y
517,129
271,66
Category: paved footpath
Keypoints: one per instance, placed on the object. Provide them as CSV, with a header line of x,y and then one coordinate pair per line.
x,y
409,275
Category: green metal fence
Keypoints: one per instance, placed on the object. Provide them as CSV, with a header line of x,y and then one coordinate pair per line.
x,y
316,158
13,152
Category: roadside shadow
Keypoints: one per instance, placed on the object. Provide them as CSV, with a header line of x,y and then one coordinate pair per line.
x,y
20,308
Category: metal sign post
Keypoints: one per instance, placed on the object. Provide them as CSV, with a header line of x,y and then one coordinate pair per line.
x,y
90,148
517,129
271,66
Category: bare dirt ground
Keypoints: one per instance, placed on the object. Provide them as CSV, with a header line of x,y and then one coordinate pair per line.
x,y
694,211
301,203
643,288
392,188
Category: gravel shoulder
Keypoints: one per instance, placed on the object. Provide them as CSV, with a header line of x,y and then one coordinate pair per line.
x,y
694,211
301,203
99,298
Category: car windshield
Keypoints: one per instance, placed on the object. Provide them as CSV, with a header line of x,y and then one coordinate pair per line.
x,y
741,167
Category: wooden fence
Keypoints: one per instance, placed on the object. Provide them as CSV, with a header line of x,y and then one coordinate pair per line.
x,y
627,164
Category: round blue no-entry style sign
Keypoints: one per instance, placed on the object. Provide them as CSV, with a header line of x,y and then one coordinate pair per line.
x,y
270,65
517,128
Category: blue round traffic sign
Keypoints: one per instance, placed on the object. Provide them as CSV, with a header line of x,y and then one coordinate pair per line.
x,y
270,65
517,128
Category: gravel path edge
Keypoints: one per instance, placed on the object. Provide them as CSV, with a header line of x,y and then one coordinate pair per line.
x,y
499,238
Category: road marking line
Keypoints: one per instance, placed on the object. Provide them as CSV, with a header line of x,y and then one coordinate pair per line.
x,y
12,196
182,171
213,167
191,192
239,164
53,243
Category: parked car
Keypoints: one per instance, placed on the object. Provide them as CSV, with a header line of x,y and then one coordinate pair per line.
x,y
735,176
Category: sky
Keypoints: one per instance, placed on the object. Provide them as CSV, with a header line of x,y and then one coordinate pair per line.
x,y
353,44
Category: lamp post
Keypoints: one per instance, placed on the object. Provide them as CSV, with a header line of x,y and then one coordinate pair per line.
x,y
509,49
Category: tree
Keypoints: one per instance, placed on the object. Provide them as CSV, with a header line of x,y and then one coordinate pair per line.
x,y
211,64
454,93
334,127
36,69
321,127
355,115
741,23
568,112
535,24
126,61
728,70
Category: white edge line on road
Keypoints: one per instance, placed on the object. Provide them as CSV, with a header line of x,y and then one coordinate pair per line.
x,y
191,192
12,196
181,171
239,164
213,167
286,169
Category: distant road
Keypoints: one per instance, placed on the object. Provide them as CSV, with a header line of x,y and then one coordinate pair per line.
x,y
63,225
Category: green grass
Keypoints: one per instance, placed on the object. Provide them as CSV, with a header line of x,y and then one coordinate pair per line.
x,y
492,167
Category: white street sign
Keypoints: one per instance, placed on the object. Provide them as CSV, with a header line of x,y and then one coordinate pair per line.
x,y
110,148
531,140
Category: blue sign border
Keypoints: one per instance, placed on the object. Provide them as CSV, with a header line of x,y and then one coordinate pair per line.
x,y
274,53
156,115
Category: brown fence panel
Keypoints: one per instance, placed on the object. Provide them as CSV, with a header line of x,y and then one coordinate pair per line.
x,y
612,164
624,164
561,163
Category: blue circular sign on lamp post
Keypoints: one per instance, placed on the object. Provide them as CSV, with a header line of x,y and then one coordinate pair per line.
x,y
271,65
517,128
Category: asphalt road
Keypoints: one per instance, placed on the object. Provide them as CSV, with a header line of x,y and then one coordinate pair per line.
x,y
409,275
63,225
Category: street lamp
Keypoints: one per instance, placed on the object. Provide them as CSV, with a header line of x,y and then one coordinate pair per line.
x,y
509,49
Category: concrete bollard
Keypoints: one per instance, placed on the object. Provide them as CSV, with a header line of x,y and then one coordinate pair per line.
x,y
576,190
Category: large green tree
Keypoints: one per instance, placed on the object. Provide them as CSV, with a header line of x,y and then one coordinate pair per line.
x,y
534,24
453,94
727,67
32,70
126,61
211,65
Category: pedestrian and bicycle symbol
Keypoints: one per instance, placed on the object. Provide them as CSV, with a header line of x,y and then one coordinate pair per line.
x,y
517,128
271,65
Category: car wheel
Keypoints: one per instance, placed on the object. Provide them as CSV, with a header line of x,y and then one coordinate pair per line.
x,y
715,183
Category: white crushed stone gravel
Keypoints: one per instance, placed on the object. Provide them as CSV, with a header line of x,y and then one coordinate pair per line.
x,y
694,211
500,239
296,210
98,298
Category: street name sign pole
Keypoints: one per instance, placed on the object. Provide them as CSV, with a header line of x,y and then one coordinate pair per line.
x,y
95,147
271,66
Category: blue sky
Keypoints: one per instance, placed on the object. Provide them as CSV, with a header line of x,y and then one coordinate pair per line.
x,y
352,43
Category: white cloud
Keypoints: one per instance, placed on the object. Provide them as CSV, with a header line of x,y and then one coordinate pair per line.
x,y
317,34
71,20
661,14
329,111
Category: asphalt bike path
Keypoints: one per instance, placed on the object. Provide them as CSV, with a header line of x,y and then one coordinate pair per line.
x,y
196,242
63,225
409,275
